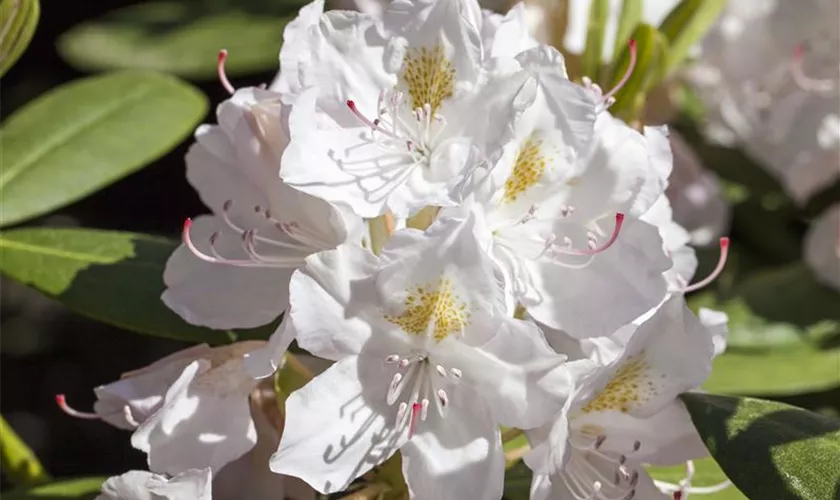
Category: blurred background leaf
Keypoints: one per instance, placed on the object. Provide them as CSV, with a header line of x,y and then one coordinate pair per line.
x,y
113,277
85,135
599,11
651,48
685,26
18,20
770,449
17,461
182,37
85,488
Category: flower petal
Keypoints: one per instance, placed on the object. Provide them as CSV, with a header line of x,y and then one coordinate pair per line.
x,y
326,294
338,426
222,296
460,458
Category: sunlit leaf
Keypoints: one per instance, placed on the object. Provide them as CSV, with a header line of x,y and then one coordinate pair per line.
x,y
82,136
19,463
110,276
685,26
770,449
599,11
18,20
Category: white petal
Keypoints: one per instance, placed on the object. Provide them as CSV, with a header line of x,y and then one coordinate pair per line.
x,y
822,247
619,285
263,361
142,390
506,36
142,485
338,426
717,322
461,458
129,486
218,295
515,373
205,420
293,54
331,298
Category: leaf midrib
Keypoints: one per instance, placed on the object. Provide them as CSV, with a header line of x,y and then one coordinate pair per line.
x,y
64,254
10,173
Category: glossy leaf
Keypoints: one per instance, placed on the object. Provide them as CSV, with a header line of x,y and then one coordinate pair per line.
x,y
770,449
18,20
82,136
707,473
685,26
85,488
18,461
110,276
183,38
599,12
630,17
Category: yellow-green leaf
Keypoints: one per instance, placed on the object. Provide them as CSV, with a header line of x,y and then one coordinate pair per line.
x,y
85,488
685,26
19,463
82,136
630,17
18,20
599,11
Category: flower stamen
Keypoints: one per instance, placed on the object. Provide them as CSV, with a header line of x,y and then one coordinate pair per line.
x,y
611,94
724,253
803,81
220,68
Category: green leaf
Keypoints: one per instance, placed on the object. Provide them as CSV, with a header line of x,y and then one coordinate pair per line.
x,y
110,276
518,482
685,26
650,49
707,473
85,488
19,20
770,449
18,461
183,38
85,135
599,12
630,17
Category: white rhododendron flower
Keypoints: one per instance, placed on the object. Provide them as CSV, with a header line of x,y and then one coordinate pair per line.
x,y
770,77
383,115
234,267
188,411
192,484
429,361
626,413
822,247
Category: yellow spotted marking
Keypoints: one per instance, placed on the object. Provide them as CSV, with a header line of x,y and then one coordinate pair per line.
x,y
527,171
429,76
630,387
437,304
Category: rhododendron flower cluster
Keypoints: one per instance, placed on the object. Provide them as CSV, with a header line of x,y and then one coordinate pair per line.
x,y
470,239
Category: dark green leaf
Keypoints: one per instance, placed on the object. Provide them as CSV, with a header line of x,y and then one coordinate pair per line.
x,y
630,17
599,12
518,482
110,276
770,449
18,20
707,473
17,460
79,489
85,135
685,26
183,38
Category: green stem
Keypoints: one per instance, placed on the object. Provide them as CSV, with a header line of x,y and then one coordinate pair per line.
x,y
17,461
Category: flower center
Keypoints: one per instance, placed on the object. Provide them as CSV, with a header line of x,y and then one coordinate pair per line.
x,y
426,380
594,473
630,386
429,77
433,311
527,171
